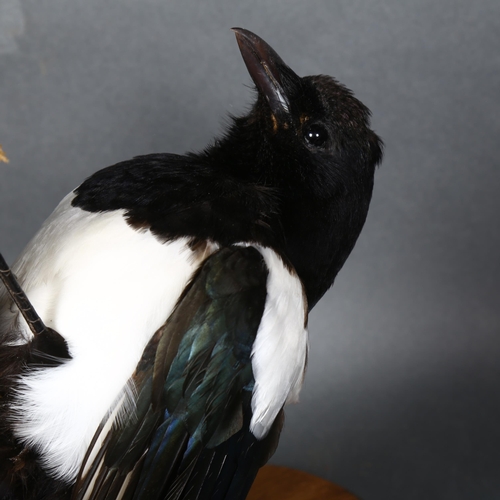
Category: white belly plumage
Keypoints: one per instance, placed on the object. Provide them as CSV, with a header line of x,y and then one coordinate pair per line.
x,y
91,286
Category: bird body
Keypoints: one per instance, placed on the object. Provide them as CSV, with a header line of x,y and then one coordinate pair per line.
x,y
107,305
181,286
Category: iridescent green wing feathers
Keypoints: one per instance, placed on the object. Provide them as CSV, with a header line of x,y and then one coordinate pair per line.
x,y
188,436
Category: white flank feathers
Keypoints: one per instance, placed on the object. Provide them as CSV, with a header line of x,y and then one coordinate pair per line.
x,y
279,354
85,276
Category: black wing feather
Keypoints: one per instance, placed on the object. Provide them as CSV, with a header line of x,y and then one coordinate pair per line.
x,y
189,436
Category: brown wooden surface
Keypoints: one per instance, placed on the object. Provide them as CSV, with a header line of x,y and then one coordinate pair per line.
x,y
281,483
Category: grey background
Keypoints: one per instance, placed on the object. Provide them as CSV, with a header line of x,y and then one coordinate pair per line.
x,y
401,398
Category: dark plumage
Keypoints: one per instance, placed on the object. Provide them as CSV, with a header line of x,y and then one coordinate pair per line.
x,y
282,197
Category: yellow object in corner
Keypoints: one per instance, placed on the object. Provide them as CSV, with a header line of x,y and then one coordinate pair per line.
x,y
3,157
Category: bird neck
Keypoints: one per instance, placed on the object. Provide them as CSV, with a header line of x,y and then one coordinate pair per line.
x,y
240,153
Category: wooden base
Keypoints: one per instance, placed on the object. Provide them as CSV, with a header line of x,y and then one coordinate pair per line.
x,y
282,483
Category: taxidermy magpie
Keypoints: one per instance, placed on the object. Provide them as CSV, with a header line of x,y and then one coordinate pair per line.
x,y
173,294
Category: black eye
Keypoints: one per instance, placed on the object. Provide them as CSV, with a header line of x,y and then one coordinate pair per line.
x,y
316,135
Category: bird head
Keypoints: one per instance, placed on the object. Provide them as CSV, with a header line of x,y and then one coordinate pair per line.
x,y
309,140
311,131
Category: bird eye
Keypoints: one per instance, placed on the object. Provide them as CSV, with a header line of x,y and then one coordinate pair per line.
x,y
316,135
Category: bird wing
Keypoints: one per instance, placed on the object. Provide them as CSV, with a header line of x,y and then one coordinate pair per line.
x,y
188,435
